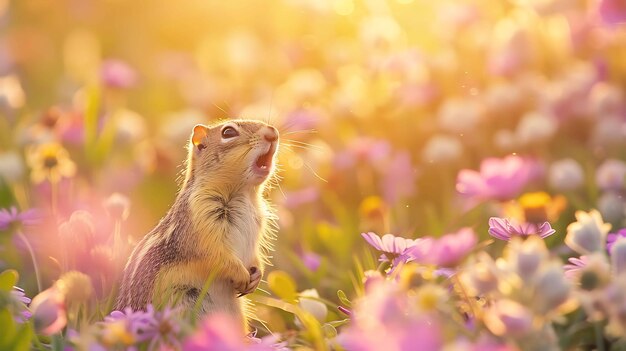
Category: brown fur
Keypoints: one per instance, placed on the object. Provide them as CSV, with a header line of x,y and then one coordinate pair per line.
x,y
220,222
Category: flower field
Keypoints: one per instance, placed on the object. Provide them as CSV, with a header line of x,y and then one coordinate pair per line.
x,y
451,174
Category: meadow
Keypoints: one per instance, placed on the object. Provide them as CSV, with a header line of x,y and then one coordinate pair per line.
x,y
451,173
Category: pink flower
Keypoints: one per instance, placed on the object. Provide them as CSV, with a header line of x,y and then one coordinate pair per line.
x,y
118,74
363,149
385,319
500,179
398,178
505,229
48,310
613,12
220,332
301,197
446,251
575,265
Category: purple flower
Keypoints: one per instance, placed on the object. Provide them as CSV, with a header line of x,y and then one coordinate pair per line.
x,y
311,260
505,229
138,324
389,243
613,12
446,251
117,74
10,217
391,246
611,238
21,313
166,328
500,179
575,265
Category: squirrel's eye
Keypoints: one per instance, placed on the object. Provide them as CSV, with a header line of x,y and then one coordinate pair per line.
x,y
229,132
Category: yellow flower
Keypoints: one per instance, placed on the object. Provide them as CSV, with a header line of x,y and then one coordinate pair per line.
x,y
75,286
116,333
49,162
537,207
431,296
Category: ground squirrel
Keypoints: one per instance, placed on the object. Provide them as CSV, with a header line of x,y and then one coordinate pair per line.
x,y
220,222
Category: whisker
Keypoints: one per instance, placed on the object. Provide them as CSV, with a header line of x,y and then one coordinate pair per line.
x,y
280,188
304,131
269,114
288,147
221,109
304,147
302,143
314,173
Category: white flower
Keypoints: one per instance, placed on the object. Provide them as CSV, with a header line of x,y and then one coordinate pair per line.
x,y
459,115
442,149
535,127
552,288
566,174
588,233
608,130
618,256
504,140
11,93
611,175
11,166
611,206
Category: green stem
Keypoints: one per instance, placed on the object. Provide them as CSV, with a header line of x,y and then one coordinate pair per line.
x,y
32,257
599,338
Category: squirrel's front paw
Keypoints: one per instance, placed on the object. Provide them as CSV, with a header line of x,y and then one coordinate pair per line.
x,y
255,279
240,279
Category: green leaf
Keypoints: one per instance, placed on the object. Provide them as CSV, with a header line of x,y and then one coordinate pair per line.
x,y
8,279
329,331
8,329
23,339
282,285
343,298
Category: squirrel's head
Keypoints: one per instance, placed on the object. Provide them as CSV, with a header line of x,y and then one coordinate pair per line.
x,y
238,152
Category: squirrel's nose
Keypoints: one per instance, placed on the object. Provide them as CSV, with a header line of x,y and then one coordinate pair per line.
x,y
271,134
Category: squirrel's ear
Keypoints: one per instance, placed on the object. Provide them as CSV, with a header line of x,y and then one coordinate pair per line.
x,y
198,136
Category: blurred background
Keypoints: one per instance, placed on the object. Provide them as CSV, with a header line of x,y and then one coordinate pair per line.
x,y
381,103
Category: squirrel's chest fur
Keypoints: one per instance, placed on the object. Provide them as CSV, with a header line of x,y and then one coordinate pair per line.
x,y
239,216
179,254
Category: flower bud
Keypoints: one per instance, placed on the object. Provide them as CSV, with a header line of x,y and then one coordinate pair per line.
x,y
507,317
309,301
117,206
49,311
76,286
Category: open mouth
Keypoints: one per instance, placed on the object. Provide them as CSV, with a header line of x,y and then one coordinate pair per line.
x,y
264,162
